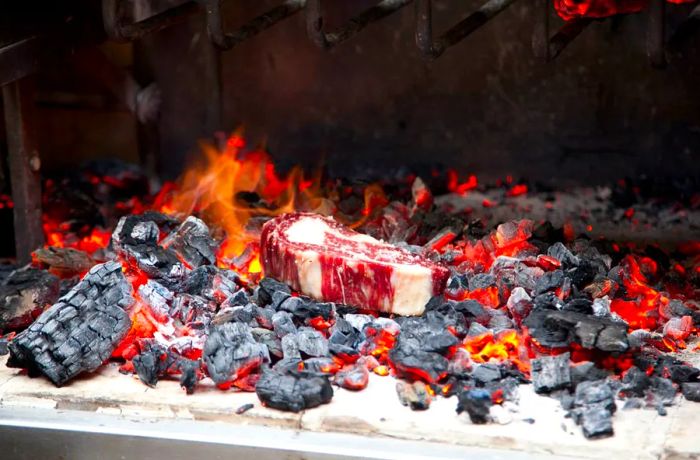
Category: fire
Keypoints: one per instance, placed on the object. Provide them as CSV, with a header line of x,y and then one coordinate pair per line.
x,y
571,9
505,346
643,303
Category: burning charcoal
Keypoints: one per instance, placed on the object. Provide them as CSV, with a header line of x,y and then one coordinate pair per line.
x,y
78,333
293,391
158,297
192,243
321,365
556,329
460,364
519,304
635,382
500,321
24,295
65,262
477,403
476,329
481,281
152,363
358,321
354,378
691,391
134,230
269,339
678,328
212,283
547,301
549,282
506,389
192,309
563,255
414,395
579,305
582,274
551,373
231,352
189,373
585,371
269,286
486,373
601,307
311,342
431,335
526,277
412,362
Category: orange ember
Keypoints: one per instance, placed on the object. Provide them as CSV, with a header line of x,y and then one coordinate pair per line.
x,y
505,346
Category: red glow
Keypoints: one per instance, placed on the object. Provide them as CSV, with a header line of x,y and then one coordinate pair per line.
x,y
506,346
461,188
517,190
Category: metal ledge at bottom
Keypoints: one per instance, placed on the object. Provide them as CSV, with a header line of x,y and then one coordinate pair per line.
x,y
74,435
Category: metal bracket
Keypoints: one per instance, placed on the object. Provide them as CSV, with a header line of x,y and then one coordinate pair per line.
x,y
227,40
424,26
118,29
327,40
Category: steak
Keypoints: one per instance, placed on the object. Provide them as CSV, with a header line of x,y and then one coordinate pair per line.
x,y
327,261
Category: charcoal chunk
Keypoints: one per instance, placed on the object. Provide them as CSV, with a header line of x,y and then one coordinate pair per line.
x,y
152,363
487,373
414,395
663,390
481,281
549,282
477,403
355,378
586,371
551,373
311,343
231,352
597,392
24,295
80,331
192,243
635,382
4,349
563,255
691,391
267,287
560,328
305,308
579,305
596,422
293,391
283,324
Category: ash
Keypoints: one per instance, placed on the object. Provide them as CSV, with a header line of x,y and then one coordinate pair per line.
x,y
593,323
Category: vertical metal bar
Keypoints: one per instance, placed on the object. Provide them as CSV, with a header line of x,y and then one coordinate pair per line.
x,y
656,33
314,23
214,88
540,33
24,166
566,34
424,26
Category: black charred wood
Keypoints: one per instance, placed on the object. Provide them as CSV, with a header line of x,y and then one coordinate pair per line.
x,y
269,339
477,403
189,373
267,287
691,391
635,382
152,363
549,282
586,371
293,391
65,262
78,333
413,395
411,362
4,346
24,295
305,308
215,284
283,324
231,350
551,373
193,243
484,374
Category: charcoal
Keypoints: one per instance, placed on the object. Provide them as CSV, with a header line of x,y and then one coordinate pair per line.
x,y
460,364
601,307
238,298
305,308
476,329
481,281
65,262
547,301
458,281
560,328
282,324
500,321
192,243
526,277
472,311
133,230
633,403
358,321
519,304
579,305
549,282
158,297
80,331
290,347
152,363
4,346
596,422
635,382
595,393
269,286
320,365
269,339
586,371
230,352
691,391
663,390
506,389
551,373
192,309
583,274
213,283
24,295
189,373
563,255
293,391
311,342
343,340
413,395
435,302
412,362
477,403
355,378
244,408
487,373
287,365
681,373
431,335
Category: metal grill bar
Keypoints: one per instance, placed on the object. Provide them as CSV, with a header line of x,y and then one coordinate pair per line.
x,y
327,40
227,40
656,33
565,35
118,29
424,27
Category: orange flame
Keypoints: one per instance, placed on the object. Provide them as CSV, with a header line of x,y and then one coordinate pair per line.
x,y
505,346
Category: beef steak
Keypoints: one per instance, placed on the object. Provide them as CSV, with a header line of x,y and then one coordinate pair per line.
x,y
325,260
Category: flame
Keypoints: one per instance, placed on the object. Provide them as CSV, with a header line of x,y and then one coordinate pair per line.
x,y
505,346
643,303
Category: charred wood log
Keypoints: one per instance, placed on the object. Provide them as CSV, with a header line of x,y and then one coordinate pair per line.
x,y
231,352
78,333
293,391
24,295
192,243
65,262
